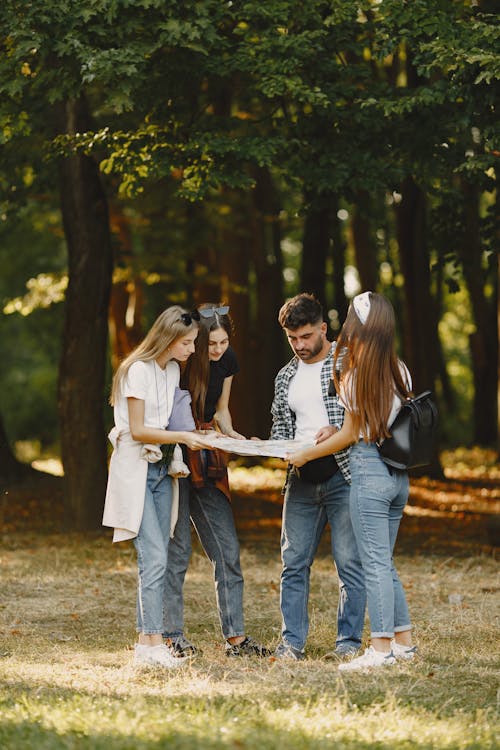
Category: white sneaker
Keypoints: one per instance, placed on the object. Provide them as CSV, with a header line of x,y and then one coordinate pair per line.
x,y
403,652
156,656
368,660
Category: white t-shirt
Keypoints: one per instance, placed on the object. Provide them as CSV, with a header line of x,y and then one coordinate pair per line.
x,y
346,385
148,382
305,399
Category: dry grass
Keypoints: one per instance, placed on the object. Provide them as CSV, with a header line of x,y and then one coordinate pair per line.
x,y
67,627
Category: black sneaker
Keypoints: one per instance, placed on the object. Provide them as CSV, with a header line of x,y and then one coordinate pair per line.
x,y
248,647
180,647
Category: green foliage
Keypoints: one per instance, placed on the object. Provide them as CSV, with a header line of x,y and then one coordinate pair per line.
x,y
30,345
333,97
211,88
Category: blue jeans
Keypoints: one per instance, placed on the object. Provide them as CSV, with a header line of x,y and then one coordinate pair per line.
x,y
378,497
213,521
151,544
307,509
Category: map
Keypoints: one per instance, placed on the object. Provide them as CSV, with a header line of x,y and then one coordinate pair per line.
x,y
270,448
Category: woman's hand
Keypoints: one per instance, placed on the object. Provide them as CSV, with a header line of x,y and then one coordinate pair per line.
x,y
197,442
235,435
299,458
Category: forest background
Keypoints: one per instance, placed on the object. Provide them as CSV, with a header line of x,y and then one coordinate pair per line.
x,y
162,152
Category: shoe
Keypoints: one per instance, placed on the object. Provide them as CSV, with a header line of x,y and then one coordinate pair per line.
x,y
248,647
156,656
342,651
368,660
403,652
285,651
180,647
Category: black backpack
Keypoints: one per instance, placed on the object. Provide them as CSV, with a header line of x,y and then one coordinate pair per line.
x,y
413,434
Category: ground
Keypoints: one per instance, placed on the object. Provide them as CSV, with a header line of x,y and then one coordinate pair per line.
x,y
67,630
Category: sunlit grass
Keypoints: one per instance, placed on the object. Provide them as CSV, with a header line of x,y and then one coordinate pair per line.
x,y
476,463
67,625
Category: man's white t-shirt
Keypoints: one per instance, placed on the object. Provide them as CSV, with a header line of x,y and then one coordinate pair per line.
x,y
305,399
148,382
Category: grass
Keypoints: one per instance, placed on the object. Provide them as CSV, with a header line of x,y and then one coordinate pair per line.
x,y
67,627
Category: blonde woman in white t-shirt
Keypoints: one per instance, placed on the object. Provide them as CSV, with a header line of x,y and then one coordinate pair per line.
x,y
140,490
372,385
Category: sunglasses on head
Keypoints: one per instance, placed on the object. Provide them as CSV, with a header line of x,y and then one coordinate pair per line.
x,y
187,318
210,312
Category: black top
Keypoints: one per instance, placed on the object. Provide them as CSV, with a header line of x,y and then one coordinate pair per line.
x,y
226,366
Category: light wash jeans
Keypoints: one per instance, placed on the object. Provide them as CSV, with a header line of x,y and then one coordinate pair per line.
x,y
307,509
213,521
378,497
151,544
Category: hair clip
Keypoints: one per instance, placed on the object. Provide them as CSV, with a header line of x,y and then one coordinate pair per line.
x,y
187,318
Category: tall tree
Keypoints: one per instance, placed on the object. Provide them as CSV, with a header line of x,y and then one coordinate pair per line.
x,y
316,245
82,368
484,339
37,43
268,264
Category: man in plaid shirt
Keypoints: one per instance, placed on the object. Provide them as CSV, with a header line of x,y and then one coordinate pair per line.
x,y
317,493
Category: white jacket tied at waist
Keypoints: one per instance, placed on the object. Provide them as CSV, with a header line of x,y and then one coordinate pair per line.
x,y
128,470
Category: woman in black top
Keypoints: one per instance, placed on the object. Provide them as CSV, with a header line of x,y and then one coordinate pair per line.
x,y
205,496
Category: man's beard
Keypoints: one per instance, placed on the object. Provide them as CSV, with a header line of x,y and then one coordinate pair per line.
x,y
306,354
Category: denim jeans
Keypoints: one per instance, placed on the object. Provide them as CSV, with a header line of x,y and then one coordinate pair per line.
x,y
213,521
378,497
151,544
307,509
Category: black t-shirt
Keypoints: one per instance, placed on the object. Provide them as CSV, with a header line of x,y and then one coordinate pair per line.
x,y
226,366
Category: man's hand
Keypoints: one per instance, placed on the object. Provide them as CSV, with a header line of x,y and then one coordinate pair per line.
x,y
325,432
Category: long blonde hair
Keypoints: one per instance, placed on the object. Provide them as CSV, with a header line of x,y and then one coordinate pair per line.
x,y
167,328
366,358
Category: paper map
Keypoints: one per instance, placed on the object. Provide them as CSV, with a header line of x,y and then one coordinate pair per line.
x,y
271,448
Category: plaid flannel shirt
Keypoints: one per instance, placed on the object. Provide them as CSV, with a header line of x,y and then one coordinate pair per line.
x,y
283,427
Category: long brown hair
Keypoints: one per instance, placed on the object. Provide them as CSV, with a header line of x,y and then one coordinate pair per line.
x,y
197,371
167,328
369,367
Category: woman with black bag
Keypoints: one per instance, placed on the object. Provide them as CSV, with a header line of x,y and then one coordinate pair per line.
x,y
371,386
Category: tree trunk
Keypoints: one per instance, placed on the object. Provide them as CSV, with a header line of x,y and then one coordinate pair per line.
x,y
420,327
420,324
234,269
484,340
82,366
315,246
202,263
498,359
127,296
268,262
11,470
364,244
